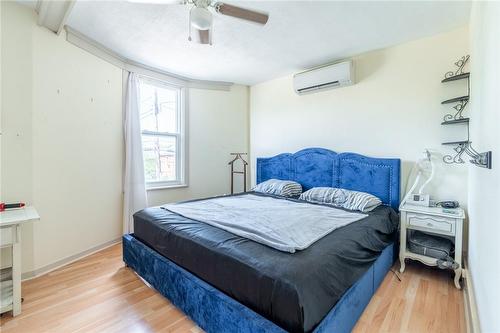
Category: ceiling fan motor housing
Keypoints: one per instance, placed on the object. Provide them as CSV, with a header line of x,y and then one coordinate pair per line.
x,y
201,18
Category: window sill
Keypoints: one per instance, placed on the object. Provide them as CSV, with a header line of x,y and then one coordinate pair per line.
x,y
165,187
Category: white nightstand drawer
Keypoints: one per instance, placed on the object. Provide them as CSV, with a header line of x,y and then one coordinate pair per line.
x,y
432,223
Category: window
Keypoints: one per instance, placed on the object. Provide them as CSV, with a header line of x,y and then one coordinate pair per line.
x,y
162,128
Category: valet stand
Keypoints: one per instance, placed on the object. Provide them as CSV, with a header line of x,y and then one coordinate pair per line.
x,y
237,156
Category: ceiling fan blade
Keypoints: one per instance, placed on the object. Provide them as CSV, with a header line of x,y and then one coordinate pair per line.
x,y
241,13
200,36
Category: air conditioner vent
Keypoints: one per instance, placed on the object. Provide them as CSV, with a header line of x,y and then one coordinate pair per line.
x,y
325,77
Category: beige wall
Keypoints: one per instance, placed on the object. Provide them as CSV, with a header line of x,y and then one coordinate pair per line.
x,y
218,125
62,146
484,184
62,150
16,114
393,110
77,148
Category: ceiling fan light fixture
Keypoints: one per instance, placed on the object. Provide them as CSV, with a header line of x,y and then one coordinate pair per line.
x,y
200,18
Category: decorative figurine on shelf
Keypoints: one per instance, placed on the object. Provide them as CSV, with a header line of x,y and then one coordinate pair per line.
x,y
237,156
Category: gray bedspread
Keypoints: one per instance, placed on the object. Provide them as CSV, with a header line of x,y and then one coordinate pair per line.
x,y
279,223
293,290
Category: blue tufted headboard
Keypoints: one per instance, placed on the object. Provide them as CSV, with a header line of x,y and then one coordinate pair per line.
x,y
313,167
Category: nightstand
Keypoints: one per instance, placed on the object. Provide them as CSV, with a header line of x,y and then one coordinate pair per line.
x,y
433,220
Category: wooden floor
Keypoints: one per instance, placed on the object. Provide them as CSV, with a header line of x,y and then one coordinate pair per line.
x,y
98,294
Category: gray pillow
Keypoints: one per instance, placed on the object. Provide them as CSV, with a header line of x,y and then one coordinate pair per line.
x,y
338,197
286,188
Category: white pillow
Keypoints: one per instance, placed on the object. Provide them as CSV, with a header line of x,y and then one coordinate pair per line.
x,y
338,197
286,188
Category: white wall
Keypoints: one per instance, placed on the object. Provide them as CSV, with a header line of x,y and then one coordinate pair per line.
x,y
16,114
484,184
393,111
62,146
77,148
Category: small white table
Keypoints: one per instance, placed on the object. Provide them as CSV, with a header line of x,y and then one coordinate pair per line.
x,y
434,220
10,236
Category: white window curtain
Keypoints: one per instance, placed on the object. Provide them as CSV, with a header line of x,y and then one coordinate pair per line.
x,y
134,185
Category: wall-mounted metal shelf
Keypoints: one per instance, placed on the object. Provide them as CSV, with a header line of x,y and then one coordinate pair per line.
x,y
465,146
456,77
482,160
456,121
452,143
456,99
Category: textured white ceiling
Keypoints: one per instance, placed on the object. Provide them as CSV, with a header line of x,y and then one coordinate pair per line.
x,y
299,34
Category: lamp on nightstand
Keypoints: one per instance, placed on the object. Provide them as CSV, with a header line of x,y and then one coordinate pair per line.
x,y
424,166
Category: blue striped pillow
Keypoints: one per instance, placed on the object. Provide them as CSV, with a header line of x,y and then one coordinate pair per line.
x,y
338,197
286,188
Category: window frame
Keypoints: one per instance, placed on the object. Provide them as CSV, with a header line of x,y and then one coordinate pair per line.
x,y
181,136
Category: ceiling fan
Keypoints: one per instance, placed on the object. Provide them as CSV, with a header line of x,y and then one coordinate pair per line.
x,y
201,17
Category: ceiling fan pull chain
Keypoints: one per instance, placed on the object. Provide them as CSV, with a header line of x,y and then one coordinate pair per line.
x,y
210,32
189,23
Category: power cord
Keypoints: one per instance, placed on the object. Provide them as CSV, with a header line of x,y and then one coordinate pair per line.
x,y
396,274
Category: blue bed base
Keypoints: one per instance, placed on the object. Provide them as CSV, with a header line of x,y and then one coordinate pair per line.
x,y
215,312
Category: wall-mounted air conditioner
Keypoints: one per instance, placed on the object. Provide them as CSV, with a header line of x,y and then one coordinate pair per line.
x,y
324,77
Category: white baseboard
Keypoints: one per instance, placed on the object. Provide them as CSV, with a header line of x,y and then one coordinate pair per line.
x,y
68,260
470,307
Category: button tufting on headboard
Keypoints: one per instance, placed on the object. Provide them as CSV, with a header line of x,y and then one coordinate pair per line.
x,y
314,167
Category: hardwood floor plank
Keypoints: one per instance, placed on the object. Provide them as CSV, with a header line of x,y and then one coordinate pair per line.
x,y
98,294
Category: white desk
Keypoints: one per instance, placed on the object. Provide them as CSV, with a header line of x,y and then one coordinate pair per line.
x,y
10,236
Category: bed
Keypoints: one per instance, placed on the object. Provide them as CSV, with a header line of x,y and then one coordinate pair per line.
x,y
226,283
